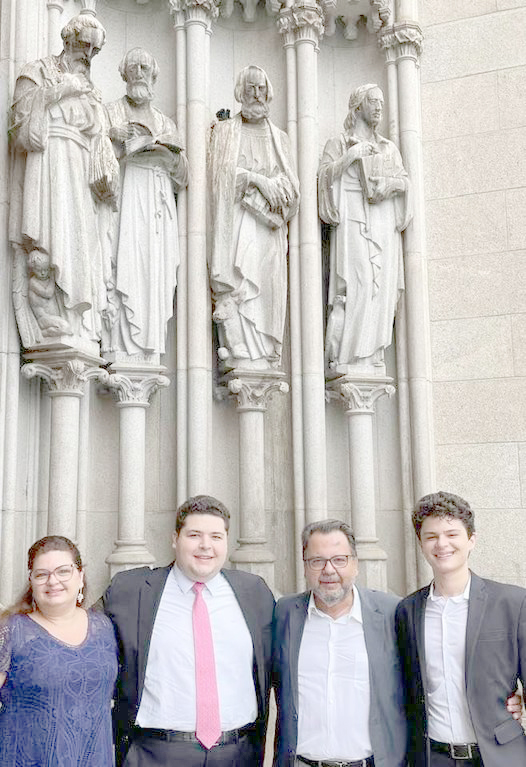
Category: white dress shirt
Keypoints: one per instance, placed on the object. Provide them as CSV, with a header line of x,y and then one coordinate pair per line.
x,y
449,720
333,680
168,699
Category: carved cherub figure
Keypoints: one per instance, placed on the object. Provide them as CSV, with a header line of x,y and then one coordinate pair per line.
x,y
42,296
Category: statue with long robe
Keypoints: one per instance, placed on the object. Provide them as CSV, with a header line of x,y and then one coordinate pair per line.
x,y
365,196
254,193
145,249
64,173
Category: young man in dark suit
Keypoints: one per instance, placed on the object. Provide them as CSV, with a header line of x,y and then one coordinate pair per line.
x,y
180,702
462,641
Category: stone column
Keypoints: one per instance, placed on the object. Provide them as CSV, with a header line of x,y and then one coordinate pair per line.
x,y
198,16
132,388
65,372
304,21
359,397
403,43
252,391
55,9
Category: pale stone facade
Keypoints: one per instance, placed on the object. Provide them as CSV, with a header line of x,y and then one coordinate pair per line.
x,y
279,448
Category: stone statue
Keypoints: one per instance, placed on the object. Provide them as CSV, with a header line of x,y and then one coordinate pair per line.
x,y
254,193
145,248
364,194
64,172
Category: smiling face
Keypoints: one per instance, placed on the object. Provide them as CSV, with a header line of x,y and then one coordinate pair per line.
x,y
330,586
201,546
53,594
446,545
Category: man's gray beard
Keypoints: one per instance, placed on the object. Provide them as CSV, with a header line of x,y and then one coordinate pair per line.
x,y
139,92
258,110
332,599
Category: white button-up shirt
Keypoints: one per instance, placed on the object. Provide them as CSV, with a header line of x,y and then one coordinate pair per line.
x,y
168,700
449,720
333,680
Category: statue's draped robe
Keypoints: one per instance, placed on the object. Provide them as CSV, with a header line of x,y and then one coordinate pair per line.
x,y
366,263
248,255
52,207
146,243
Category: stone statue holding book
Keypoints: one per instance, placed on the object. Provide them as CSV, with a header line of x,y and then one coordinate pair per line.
x,y
144,235
254,193
365,195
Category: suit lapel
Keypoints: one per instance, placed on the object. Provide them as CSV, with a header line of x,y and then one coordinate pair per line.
x,y
297,618
373,629
419,618
149,599
477,605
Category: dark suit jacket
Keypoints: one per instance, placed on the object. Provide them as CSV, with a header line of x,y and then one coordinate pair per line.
x,y
388,728
132,600
495,659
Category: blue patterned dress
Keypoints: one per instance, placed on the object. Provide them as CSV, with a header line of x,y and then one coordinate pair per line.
x,y
56,698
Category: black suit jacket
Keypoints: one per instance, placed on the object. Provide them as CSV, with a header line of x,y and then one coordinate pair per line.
x,y
132,600
387,724
495,659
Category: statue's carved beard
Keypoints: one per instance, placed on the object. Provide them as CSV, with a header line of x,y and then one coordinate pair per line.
x,y
257,110
139,92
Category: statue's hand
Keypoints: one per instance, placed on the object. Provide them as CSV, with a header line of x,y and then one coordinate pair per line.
x,y
361,149
270,191
73,85
385,187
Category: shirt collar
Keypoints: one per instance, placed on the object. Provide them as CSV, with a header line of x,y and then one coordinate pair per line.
x,y
186,584
459,598
354,613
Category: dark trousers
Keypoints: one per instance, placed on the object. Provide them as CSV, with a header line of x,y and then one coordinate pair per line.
x,y
150,752
443,760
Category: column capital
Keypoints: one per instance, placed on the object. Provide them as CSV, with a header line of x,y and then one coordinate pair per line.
x,y
88,6
303,20
67,378
402,41
199,11
134,390
252,390
359,396
57,5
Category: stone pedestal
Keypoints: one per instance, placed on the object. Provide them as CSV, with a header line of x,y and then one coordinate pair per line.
x,y
252,390
132,387
359,395
65,370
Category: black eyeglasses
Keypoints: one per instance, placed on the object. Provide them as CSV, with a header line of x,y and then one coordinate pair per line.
x,y
338,562
62,573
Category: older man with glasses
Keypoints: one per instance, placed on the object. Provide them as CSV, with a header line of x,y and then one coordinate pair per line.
x,y
336,666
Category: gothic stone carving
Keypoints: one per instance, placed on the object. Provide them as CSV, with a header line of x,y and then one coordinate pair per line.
x,y
364,194
145,236
254,193
64,174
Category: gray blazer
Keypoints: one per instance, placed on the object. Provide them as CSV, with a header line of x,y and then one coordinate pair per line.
x,y
387,723
495,659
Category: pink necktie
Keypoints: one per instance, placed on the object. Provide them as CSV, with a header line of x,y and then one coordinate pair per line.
x,y
208,724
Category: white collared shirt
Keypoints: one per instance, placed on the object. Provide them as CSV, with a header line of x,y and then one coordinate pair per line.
x,y
333,684
168,700
446,619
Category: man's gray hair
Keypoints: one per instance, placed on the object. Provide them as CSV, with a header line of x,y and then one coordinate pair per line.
x,y
83,21
148,56
328,526
356,99
242,79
